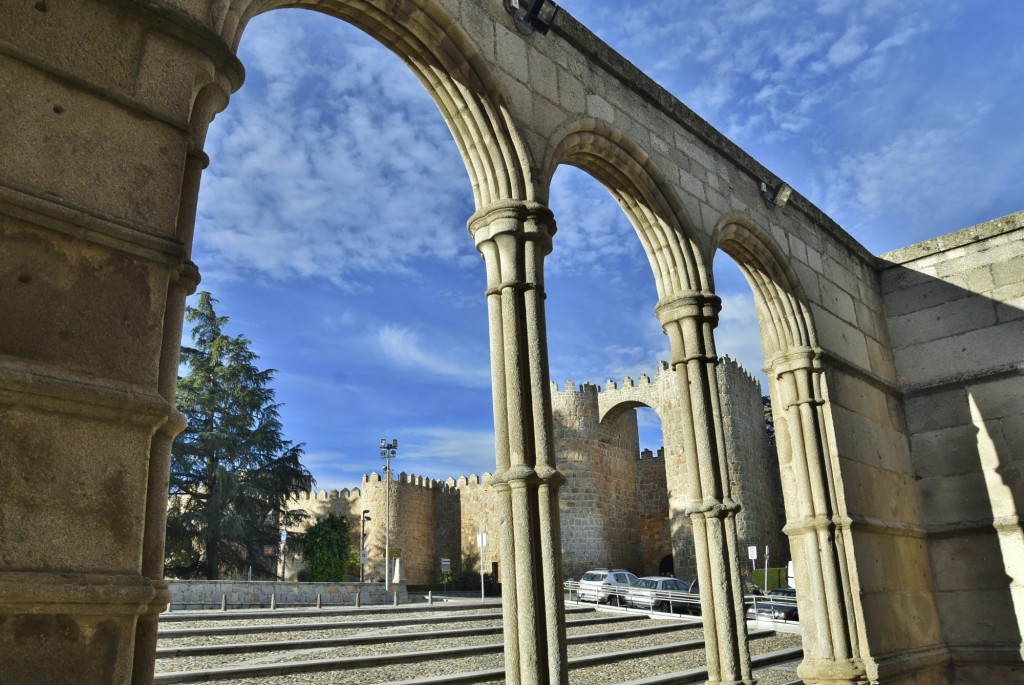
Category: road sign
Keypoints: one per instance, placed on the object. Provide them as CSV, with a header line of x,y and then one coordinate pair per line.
x,y
363,556
752,552
446,565
269,551
396,552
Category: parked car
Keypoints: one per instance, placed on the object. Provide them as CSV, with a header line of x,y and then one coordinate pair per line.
x,y
748,588
606,585
659,593
779,604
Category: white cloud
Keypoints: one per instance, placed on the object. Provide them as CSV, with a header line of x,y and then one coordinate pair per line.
x,y
849,47
441,452
405,349
373,183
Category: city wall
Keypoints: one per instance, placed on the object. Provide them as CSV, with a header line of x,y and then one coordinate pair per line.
x,y
616,508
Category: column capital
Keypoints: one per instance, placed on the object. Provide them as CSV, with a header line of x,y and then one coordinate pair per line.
x,y
816,524
524,476
530,220
689,305
712,508
795,359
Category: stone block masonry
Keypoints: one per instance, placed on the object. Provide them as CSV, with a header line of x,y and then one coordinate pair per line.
x,y
617,508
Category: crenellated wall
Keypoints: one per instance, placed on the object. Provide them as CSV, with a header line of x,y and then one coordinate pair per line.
x,y
620,507
613,491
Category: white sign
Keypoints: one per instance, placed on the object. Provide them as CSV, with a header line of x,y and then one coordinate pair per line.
x,y
363,556
752,552
481,540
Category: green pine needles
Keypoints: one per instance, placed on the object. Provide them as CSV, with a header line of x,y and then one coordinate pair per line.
x,y
232,470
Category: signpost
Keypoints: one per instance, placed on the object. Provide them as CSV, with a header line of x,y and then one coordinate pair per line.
x,y
766,569
752,555
446,568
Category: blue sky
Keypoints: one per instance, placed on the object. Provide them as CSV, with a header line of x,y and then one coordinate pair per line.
x,y
332,218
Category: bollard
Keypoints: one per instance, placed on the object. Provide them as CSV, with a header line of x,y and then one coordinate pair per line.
x,y
394,601
223,602
319,602
430,596
358,595
273,601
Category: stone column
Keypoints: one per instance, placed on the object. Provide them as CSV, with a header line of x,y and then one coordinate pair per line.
x,y
514,237
819,532
183,284
689,320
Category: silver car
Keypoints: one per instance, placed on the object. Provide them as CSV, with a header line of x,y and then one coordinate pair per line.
x,y
658,593
606,585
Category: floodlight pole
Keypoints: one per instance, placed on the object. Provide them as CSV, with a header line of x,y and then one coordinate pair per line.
x,y
362,541
388,450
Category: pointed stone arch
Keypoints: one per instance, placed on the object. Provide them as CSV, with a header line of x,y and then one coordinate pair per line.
x,y
622,167
438,52
782,309
817,523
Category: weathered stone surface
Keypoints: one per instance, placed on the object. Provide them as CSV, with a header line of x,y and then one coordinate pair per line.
x,y
102,126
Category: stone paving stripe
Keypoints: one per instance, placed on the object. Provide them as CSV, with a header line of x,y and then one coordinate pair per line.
x,y
700,675
265,670
284,645
235,614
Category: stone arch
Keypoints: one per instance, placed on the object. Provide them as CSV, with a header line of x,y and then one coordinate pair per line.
x,y
622,167
817,523
438,52
782,309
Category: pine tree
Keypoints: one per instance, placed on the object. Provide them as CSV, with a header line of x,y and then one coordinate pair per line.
x,y
232,470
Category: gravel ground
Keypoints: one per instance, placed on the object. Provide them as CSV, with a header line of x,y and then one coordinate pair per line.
x,y
609,673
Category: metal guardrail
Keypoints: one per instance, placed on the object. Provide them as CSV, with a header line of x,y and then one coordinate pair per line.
x,y
685,601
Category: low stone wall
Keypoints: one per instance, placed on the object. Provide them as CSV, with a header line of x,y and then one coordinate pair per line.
x,y
241,594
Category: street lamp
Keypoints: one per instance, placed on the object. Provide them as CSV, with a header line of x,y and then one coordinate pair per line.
x,y
388,450
362,540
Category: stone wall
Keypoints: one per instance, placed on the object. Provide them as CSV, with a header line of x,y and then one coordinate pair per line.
x,y
955,311
616,509
753,466
241,594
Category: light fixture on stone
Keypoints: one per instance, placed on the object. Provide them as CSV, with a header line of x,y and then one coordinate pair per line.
x,y
532,15
778,196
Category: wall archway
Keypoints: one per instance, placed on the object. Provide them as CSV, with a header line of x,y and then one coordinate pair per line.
x,y
442,57
817,523
627,173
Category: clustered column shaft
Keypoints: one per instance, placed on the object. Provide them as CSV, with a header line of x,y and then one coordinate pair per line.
x,y
818,531
514,238
689,320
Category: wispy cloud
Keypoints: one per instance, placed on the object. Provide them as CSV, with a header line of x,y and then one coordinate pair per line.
x,y
368,183
405,348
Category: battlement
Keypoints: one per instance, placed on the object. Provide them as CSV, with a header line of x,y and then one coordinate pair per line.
x,y
737,371
324,495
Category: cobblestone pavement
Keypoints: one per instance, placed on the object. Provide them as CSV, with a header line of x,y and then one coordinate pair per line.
x,y
430,665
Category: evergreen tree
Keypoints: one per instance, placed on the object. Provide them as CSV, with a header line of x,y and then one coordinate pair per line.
x,y
231,469
328,551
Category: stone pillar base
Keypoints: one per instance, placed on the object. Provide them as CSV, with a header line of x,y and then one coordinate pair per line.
x,y
70,624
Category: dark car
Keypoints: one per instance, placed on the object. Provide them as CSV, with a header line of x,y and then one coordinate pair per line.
x,y
750,595
779,604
